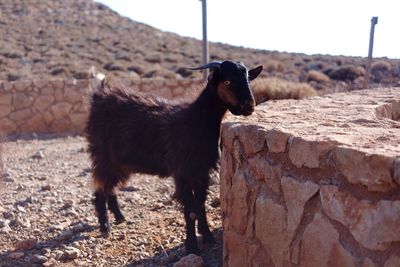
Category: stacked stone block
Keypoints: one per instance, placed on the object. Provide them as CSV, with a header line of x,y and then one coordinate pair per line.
x,y
61,106
313,182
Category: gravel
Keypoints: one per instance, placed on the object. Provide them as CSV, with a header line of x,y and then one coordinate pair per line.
x,y
47,217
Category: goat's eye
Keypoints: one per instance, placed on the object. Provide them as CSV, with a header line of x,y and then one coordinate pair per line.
x,y
227,83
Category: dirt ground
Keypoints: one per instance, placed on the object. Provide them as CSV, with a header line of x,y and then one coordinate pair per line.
x,y
47,217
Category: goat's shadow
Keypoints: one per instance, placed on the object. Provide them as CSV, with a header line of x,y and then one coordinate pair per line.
x,y
211,254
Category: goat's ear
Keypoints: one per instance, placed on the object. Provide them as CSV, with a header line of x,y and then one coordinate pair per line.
x,y
213,75
255,72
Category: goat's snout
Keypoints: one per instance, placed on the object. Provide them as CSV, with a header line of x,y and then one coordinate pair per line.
x,y
247,108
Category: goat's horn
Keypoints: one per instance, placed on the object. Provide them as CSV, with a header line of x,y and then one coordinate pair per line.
x,y
213,64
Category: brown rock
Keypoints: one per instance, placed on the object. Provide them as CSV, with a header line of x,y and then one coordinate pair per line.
x,y
235,250
26,244
307,153
46,89
43,102
58,94
5,110
190,260
270,229
320,246
368,263
226,164
262,169
252,137
72,96
372,171
228,134
258,256
35,124
21,100
20,116
61,126
79,119
178,91
238,209
22,85
48,117
296,195
375,226
8,126
58,84
393,261
277,140
61,110
163,92
5,99
17,255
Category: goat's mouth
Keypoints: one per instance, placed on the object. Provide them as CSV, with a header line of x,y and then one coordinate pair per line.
x,y
245,110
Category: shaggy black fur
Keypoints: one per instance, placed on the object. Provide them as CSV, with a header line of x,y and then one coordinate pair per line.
x,y
129,132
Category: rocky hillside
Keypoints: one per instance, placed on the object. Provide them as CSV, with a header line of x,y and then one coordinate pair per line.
x,y
78,38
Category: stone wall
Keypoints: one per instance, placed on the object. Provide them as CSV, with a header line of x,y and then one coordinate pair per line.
x,y
313,182
61,106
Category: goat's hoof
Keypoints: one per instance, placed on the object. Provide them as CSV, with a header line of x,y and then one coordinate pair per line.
x,y
120,220
208,239
195,251
192,248
105,230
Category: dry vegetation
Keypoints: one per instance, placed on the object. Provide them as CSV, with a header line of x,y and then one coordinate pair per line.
x,y
265,89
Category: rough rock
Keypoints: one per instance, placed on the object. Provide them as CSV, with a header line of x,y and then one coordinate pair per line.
x,y
320,245
375,226
190,260
26,243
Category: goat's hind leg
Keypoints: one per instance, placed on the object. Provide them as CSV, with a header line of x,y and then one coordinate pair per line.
x,y
113,205
100,203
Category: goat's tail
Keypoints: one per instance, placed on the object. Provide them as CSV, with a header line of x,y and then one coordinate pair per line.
x,y
109,85
105,83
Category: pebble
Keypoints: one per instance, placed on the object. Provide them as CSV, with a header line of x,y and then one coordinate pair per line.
x,y
4,227
190,260
38,155
46,187
21,222
21,209
26,244
16,255
65,235
8,215
36,258
7,178
71,253
215,202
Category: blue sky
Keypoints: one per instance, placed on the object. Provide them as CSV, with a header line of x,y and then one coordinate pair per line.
x,y
339,27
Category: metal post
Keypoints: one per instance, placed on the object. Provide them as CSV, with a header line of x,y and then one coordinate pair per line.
x,y
374,21
205,41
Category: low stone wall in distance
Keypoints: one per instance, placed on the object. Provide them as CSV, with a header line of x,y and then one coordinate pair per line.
x,y
313,182
61,106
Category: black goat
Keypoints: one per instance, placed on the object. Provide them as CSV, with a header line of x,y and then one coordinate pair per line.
x,y
136,133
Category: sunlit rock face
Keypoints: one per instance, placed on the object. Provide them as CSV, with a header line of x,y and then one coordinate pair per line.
x,y
313,182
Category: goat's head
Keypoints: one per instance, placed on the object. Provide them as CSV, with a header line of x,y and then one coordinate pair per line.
x,y
231,81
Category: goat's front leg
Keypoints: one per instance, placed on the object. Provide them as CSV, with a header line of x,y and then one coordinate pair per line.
x,y
100,203
200,194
